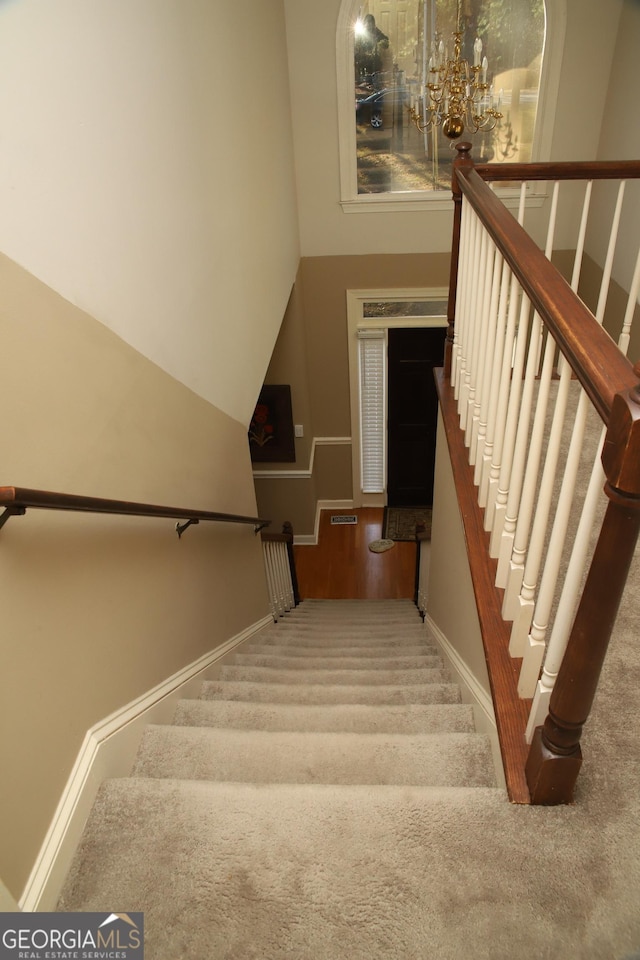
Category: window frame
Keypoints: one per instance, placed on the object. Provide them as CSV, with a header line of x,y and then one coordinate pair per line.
x,y
353,202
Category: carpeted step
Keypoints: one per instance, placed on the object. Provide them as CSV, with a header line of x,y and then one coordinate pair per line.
x,y
333,638
275,662
292,650
353,718
329,693
337,676
325,872
257,756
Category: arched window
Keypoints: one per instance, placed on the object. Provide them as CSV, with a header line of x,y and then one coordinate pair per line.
x,y
387,51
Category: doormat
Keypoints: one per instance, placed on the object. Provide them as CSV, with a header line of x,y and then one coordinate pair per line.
x,y
344,518
400,522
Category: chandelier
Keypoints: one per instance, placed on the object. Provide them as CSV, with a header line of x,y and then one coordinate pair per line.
x,y
457,95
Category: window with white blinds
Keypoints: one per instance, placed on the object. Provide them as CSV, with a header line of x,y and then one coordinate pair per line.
x,y
372,349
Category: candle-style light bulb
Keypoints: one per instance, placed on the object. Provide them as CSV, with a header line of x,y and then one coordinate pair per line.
x,y
485,67
477,51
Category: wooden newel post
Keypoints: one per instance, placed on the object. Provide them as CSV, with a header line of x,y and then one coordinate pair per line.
x,y
463,159
555,756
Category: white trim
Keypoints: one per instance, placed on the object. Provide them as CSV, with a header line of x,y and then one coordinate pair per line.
x,y
466,677
311,540
355,320
108,750
552,56
301,474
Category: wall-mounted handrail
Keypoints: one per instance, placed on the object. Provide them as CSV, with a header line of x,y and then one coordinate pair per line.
x,y
16,500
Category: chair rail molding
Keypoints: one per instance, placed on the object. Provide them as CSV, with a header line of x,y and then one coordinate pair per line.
x,y
303,474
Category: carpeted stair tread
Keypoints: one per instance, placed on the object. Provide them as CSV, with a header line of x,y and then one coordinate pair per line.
x,y
421,661
332,638
320,872
377,624
321,769
320,693
293,650
355,718
257,756
336,676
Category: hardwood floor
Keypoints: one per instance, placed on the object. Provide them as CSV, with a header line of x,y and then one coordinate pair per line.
x,y
341,566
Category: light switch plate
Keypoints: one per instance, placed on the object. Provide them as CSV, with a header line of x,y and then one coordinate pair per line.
x,y
298,430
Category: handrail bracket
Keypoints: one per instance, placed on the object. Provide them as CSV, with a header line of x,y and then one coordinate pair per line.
x,y
181,527
260,526
11,512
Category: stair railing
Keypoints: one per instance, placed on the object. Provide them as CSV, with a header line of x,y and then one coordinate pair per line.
x,y
280,568
17,500
423,549
519,337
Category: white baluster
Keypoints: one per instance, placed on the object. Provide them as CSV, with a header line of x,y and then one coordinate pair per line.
x,y
483,270
530,646
625,335
472,328
266,552
461,290
533,651
511,428
520,556
494,358
499,415
570,591
488,361
568,599
520,453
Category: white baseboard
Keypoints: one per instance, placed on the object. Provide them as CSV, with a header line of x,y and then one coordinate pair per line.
x,y
312,539
466,677
108,750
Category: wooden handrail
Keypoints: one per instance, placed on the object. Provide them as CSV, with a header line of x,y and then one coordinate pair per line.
x,y
16,500
560,170
601,368
611,383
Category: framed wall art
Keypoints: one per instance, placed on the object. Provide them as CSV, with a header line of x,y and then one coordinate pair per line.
x,y
271,438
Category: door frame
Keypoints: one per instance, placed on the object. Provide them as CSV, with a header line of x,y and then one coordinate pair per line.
x,y
356,320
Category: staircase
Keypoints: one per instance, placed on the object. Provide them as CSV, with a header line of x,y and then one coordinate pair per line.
x,y
326,741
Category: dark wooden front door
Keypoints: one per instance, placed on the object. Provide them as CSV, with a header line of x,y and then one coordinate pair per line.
x,y
413,412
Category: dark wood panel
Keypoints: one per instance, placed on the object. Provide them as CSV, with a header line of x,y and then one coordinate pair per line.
x,y
413,412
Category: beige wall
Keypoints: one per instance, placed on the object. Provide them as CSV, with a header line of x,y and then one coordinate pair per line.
x,y
450,600
98,610
145,177
312,355
620,140
325,283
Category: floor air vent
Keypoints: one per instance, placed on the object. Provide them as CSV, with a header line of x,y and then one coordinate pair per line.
x,y
344,518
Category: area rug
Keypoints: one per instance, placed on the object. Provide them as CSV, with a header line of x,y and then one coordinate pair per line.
x,y
400,522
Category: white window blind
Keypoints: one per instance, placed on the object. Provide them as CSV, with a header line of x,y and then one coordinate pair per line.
x,y
373,409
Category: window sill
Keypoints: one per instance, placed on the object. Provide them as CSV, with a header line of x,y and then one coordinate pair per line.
x,y
438,200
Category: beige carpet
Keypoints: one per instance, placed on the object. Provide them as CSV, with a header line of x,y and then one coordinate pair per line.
x,y
328,798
